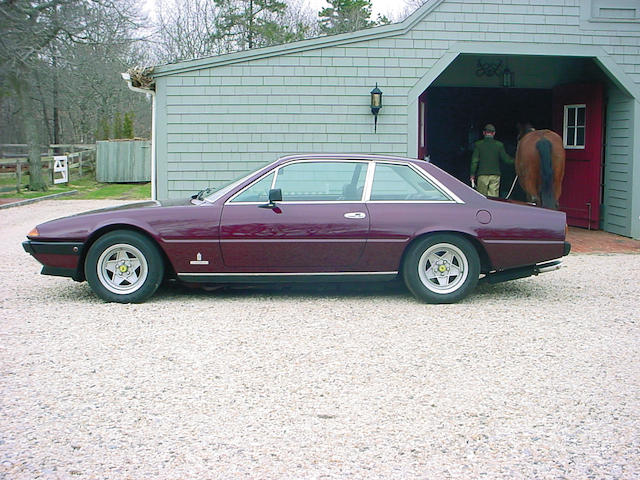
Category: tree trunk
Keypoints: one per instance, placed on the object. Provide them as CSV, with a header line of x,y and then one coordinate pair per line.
x,y
32,131
55,114
250,32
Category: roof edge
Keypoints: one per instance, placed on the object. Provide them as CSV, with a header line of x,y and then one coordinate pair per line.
x,y
300,46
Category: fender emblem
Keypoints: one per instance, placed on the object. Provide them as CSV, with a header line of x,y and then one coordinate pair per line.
x,y
199,261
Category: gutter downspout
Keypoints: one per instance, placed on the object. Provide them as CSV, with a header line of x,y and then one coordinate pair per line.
x,y
154,187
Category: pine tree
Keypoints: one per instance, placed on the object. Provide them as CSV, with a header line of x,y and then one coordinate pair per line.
x,y
104,130
127,125
347,16
246,24
117,126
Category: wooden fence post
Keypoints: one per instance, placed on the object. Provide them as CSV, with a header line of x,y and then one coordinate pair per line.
x,y
18,175
72,149
50,154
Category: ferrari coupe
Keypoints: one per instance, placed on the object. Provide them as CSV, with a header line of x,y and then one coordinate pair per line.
x,y
309,218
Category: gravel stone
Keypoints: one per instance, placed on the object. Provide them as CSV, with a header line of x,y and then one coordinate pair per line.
x,y
535,378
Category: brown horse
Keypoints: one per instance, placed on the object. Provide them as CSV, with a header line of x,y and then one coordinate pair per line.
x,y
540,165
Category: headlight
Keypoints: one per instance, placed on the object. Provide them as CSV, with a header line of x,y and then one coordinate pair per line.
x,y
33,233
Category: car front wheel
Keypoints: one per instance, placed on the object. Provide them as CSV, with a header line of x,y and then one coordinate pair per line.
x,y
441,268
124,266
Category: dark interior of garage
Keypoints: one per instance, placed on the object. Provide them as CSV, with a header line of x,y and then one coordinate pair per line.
x,y
455,117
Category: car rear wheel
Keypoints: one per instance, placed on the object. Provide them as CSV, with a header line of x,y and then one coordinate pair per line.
x,y
124,266
441,268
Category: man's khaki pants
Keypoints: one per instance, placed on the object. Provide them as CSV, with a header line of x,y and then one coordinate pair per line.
x,y
489,185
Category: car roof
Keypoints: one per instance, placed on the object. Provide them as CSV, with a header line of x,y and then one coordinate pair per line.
x,y
347,156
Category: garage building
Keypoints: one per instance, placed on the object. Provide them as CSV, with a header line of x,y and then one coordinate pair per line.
x,y
445,71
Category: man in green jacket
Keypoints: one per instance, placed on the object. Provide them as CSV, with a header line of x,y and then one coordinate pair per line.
x,y
485,162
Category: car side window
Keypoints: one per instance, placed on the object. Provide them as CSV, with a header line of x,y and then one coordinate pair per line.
x,y
322,181
258,192
400,182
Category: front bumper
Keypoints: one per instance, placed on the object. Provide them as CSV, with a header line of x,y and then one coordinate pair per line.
x,y
60,259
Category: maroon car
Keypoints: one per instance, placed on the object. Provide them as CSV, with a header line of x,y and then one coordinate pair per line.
x,y
309,218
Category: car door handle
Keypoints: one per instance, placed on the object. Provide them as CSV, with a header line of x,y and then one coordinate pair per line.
x,y
355,215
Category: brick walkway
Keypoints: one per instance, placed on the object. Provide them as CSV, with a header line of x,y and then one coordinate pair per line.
x,y
597,241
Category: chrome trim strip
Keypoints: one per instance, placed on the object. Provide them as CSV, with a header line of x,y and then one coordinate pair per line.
x,y
413,201
388,240
368,182
281,274
372,162
444,190
294,161
549,267
293,240
526,242
186,240
337,240
300,202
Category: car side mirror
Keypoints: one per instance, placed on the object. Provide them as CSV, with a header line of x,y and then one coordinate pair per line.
x,y
275,195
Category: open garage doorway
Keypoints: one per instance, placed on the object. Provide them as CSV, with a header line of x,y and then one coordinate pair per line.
x,y
455,117
574,96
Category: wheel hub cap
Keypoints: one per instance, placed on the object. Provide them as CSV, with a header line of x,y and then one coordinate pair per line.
x,y
442,267
122,268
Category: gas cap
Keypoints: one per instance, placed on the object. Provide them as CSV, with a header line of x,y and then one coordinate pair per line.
x,y
483,216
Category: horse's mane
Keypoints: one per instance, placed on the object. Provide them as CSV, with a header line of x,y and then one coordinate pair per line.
x,y
524,128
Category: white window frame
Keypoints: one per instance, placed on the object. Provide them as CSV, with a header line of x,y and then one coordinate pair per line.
x,y
231,201
565,128
366,194
452,197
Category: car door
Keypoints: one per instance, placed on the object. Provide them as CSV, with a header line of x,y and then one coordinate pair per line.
x,y
321,224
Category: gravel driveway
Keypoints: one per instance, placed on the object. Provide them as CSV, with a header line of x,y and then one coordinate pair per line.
x,y
536,378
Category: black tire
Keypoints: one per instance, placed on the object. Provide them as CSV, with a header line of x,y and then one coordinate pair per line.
x,y
124,266
441,268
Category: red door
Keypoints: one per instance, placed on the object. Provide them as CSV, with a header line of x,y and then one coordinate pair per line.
x,y
578,115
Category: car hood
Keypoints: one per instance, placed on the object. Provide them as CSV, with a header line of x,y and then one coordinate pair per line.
x,y
145,204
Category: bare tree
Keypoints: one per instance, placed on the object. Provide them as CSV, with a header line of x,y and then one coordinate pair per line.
x,y
186,30
35,33
410,7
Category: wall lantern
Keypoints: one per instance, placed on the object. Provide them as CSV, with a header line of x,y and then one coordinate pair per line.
x,y
376,105
507,78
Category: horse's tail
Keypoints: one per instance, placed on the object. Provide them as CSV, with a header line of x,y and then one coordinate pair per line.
x,y
544,149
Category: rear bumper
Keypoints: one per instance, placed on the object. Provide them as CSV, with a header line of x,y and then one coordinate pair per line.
x,y
522,272
567,249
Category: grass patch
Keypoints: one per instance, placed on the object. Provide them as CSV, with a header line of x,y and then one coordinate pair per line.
x,y
88,189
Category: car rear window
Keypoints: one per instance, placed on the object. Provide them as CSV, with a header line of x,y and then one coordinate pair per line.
x,y
402,183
